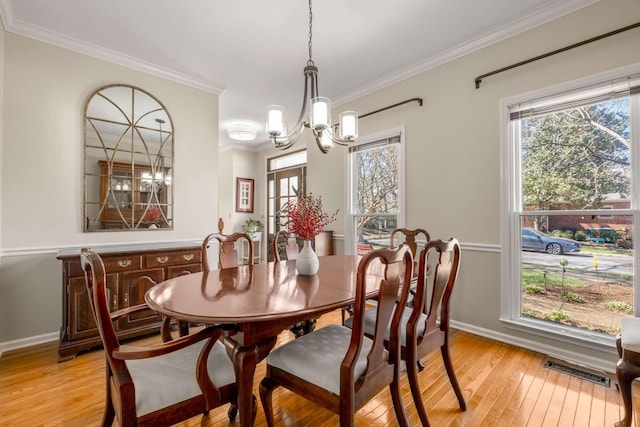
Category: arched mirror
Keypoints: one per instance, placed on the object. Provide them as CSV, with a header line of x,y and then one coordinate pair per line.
x,y
128,170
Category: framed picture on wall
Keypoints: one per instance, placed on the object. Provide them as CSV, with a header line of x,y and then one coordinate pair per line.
x,y
244,195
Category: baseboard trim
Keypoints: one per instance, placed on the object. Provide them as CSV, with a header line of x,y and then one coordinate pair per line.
x,y
572,357
28,342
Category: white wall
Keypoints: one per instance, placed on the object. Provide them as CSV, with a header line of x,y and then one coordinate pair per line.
x,y
453,150
45,88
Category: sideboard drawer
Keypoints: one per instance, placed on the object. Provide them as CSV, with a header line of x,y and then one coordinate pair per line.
x,y
172,258
122,263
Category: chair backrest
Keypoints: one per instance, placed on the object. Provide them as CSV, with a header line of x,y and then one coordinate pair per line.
x,y
394,267
291,247
409,238
96,282
228,254
437,272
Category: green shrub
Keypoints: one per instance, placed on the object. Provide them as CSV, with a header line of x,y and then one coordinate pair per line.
x,y
567,234
618,306
580,236
532,289
571,297
559,316
624,244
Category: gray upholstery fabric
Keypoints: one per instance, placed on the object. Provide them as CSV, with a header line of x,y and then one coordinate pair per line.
x,y
316,357
370,324
164,380
630,332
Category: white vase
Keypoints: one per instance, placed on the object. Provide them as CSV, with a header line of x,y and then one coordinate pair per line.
x,y
307,261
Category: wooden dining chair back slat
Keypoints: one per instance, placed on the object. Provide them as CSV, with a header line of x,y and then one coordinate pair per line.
x,y
291,248
150,385
228,253
409,238
337,367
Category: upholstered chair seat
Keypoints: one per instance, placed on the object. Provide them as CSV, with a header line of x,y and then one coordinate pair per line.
x,y
324,350
165,380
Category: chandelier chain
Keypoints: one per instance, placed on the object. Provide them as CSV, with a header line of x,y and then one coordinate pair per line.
x,y
310,61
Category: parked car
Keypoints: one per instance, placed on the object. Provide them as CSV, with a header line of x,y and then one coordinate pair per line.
x,y
534,240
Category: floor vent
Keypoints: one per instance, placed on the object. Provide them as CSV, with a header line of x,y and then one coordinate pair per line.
x,y
578,372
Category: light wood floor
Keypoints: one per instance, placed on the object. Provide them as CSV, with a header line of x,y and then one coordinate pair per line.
x,y
503,386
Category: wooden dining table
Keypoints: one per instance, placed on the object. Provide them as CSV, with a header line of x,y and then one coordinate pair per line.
x,y
254,304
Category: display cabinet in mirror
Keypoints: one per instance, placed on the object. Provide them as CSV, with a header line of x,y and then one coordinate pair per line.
x,y
128,167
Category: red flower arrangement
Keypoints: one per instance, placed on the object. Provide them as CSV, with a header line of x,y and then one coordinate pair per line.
x,y
306,217
153,215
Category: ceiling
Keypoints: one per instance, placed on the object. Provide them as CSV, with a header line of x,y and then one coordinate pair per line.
x,y
252,52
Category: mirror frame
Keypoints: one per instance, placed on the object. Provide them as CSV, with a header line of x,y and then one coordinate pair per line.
x,y
128,161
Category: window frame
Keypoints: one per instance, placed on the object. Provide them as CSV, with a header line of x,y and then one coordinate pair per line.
x,y
511,182
350,237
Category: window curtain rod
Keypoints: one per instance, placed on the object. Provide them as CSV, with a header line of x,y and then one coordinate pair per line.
x,y
564,49
418,100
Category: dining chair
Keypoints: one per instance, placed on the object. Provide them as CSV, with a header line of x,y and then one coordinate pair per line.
x,y
337,367
628,366
291,248
159,384
425,326
228,254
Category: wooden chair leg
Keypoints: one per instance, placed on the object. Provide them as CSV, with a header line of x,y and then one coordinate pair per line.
x,y
412,376
446,358
108,416
232,413
626,373
165,329
266,390
109,411
398,407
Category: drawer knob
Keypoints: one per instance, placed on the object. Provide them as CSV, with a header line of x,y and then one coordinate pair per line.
x,y
162,259
187,257
124,263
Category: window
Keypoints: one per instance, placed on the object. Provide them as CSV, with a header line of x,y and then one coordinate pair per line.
x,y
286,177
572,214
375,193
606,216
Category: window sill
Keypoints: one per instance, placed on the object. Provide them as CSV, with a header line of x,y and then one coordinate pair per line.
x,y
588,339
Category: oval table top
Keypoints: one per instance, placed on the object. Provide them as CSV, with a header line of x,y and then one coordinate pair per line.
x,y
250,294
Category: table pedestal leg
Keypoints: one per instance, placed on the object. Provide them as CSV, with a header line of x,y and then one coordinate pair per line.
x,y
245,358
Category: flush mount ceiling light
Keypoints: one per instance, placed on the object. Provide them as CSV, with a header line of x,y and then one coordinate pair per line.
x,y
242,132
319,120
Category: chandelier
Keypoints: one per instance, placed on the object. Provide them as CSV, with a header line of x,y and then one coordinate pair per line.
x,y
319,120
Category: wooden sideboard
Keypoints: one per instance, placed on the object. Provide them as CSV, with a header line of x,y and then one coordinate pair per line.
x,y
130,273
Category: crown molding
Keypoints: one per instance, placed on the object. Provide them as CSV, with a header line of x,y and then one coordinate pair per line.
x,y
43,35
541,16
